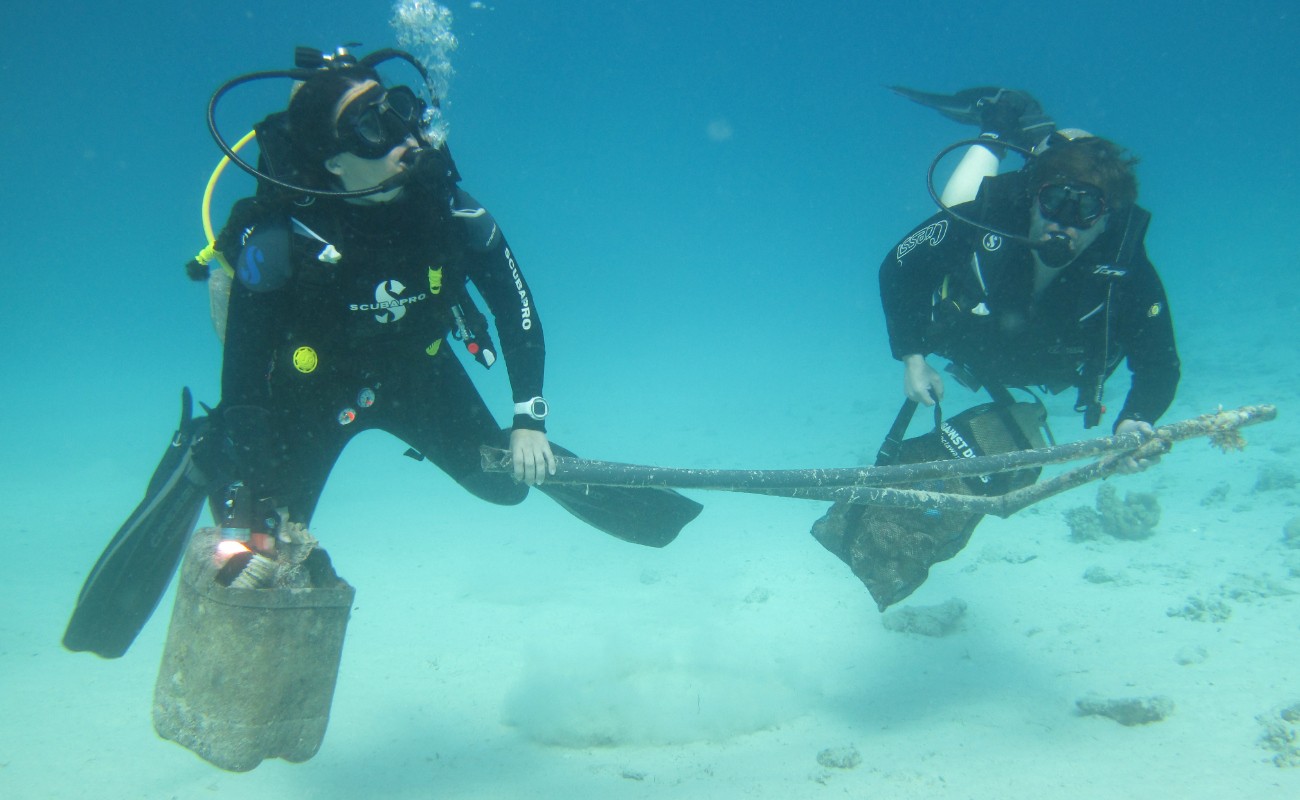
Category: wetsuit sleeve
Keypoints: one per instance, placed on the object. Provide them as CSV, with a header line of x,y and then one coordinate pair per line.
x,y
911,271
1145,330
492,266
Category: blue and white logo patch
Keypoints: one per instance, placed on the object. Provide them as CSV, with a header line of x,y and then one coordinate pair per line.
x,y
264,264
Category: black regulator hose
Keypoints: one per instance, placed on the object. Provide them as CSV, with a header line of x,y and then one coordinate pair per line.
x,y
1054,252
410,159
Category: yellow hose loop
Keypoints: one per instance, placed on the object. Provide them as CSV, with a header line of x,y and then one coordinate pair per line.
x,y
210,252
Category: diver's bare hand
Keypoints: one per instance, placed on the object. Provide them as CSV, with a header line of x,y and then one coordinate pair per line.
x,y
921,383
1130,465
531,455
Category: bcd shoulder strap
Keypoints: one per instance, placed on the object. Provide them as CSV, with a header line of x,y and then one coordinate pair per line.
x,y
1097,361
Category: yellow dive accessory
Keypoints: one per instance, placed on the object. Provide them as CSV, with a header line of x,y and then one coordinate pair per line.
x,y
305,360
207,254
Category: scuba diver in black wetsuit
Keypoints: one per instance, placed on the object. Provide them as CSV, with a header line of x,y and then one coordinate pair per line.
x,y
319,348
1037,277
1042,280
1061,244
350,270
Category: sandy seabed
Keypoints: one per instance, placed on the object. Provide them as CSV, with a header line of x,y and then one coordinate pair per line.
x,y
515,653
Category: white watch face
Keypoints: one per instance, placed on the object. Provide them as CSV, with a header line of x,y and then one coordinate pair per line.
x,y
537,408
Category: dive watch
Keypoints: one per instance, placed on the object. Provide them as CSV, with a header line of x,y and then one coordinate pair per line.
x,y
537,408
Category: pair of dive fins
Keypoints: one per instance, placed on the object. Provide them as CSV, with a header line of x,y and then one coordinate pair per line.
x,y
132,574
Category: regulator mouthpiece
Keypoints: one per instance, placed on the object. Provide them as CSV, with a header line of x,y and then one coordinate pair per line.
x,y
1055,252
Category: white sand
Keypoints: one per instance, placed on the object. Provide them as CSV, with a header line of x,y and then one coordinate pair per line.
x,y
502,653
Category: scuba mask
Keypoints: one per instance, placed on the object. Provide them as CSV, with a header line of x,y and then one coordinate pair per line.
x,y
1073,205
372,129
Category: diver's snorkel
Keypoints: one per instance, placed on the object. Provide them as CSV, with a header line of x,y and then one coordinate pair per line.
x,y
308,63
1054,252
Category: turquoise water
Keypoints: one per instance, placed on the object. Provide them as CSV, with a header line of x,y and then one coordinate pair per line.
x,y
700,195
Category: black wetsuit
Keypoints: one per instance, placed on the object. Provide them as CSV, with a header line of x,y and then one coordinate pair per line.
x,y
338,321
964,294
321,348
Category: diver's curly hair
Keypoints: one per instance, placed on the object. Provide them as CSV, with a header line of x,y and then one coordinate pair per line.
x,y
1093,160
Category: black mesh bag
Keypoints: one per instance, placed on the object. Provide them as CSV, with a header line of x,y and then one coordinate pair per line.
x,y
891,549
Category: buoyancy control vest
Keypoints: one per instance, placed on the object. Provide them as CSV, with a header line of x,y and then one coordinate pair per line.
x,y
964,294
259,234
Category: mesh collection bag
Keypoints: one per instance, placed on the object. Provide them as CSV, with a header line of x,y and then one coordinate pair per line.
x,y
891,549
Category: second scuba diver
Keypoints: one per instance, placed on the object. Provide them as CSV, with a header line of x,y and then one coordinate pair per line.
x,y
1033,278
1041,280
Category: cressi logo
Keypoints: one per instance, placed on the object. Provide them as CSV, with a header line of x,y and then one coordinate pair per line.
x,y
932,233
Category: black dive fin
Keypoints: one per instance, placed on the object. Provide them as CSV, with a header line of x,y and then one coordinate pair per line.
x,y
1010,115
648,516
132,574
964,106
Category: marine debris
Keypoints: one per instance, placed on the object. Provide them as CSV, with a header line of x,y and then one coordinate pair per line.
x,y
877,485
